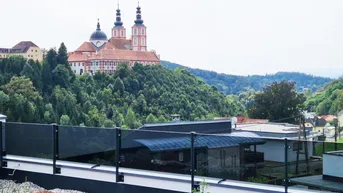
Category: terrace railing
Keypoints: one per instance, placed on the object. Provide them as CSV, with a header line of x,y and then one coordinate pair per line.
x,y
243,157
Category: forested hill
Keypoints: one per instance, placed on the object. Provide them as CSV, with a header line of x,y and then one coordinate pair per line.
x,y
233,84
51,93
327,101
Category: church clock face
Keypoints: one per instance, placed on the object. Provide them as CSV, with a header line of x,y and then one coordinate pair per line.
x,y
98,44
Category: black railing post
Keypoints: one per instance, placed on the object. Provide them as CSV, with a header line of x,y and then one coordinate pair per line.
x,y
1,142
193,135
55,150
119,176
286,165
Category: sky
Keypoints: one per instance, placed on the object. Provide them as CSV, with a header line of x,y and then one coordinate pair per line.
x,y
242,37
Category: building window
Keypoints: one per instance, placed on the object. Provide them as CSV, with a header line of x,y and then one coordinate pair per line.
x,y
181,157
143,31
115,33
79,64
121,33
296,145
143,41
135,31
135,42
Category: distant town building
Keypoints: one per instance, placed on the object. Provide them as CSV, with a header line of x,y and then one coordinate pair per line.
x,y
105,55
3,118
27,49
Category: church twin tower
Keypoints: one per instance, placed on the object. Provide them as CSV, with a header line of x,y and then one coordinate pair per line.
x,y
138,38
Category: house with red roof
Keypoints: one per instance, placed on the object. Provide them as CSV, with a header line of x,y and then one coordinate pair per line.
x,y
105,55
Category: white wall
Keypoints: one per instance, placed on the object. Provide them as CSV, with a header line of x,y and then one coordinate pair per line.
x,y
329,165
142,178
274,151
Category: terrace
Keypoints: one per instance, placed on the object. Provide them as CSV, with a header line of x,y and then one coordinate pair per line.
x,y
154,158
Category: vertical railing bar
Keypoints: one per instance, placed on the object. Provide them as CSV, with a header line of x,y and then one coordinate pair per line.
x,y
117,153
1,142
286,166
55,149
192,160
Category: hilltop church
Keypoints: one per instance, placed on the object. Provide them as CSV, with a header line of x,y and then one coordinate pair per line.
x,y
105,55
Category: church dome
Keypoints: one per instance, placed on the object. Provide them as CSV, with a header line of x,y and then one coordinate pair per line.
x,y
98,34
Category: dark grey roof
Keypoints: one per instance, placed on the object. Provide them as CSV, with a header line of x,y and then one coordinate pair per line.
x,y
173,130
23,47
98,34
202,141
213,127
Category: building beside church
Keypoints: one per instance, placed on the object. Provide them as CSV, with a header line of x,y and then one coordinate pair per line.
x,y
105,55
27,49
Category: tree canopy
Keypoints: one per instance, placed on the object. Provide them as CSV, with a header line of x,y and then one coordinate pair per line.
x,y
51,93
233,84
278,102
327,101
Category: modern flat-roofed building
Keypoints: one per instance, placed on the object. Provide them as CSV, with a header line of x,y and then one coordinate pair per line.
x,y
274,134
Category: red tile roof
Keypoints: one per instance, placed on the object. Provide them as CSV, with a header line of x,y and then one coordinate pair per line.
x,y
126,55
122,44
243,120
77,57
86,47
328,117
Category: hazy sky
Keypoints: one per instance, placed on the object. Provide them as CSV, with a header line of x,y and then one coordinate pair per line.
x,y
229,36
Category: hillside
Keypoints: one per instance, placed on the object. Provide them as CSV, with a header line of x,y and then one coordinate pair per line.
x,y
327,101
232,84
31,92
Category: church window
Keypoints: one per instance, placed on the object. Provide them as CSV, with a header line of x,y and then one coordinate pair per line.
x,y
143,31
136,31
135,42
115,33
143,41
121,33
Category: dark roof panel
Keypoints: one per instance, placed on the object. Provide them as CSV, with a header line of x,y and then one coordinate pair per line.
x,y
23,46
213,127
202,141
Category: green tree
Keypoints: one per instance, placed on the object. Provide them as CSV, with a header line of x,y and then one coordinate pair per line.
x,y
64,120
51,58
4,99
151,119
108,123
21,86
161,119
61,76
47,77
278,101
119,85
62,56
130,119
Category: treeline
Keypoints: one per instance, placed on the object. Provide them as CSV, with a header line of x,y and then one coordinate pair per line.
x,y
327,101
232,84
51,93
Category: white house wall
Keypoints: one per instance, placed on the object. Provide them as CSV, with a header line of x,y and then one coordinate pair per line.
x,y
274,151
